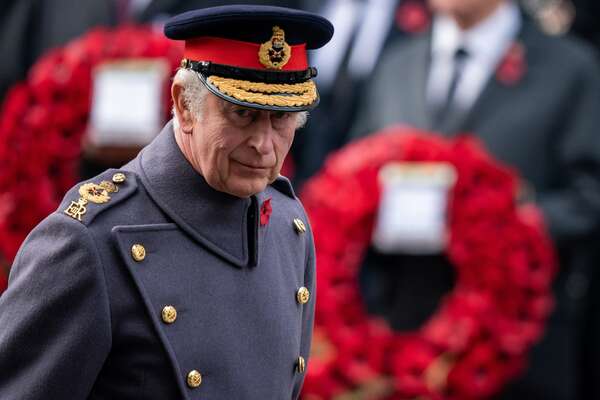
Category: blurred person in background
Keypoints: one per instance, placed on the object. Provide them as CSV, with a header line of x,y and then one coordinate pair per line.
x,y
28,28
557,17
363,27
587,21
533,100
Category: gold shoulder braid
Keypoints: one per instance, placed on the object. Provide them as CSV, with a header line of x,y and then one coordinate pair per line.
x,y
283,95
90,192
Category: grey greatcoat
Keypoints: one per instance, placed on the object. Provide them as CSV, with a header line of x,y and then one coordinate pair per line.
x,y
83,319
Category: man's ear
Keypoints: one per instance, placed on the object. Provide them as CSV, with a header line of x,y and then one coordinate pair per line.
x,y
184,115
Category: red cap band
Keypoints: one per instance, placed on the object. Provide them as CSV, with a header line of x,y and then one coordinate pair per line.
x,y
239,54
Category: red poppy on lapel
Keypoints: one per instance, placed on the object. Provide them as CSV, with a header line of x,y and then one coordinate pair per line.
x,y
412,16
513,66
265,212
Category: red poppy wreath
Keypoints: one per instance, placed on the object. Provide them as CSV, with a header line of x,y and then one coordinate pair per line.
x,y
43,120
478,338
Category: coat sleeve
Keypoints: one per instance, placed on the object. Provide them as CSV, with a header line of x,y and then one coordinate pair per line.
x,y
54,317
572,209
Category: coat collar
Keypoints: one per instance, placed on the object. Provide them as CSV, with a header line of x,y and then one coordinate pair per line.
x,y
224,224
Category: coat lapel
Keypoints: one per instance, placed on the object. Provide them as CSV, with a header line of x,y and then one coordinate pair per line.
x,y
412,75
493,93
217,220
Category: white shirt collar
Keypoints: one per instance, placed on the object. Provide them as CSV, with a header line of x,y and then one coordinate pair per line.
x,y
499,29
486,44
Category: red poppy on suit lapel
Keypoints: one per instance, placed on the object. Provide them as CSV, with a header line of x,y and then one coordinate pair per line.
x,y
513,66
265,212
412,16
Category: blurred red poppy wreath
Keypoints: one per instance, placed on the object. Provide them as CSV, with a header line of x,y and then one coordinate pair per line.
x,y
479,337
43,119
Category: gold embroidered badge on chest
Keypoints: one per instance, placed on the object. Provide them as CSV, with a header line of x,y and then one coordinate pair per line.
x,y
275,53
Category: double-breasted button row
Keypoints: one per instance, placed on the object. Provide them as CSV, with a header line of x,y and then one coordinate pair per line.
x,y
169,314
299,226
138,252
194,379
300,365
302,295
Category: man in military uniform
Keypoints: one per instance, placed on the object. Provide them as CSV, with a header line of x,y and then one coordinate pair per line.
x,y
190,272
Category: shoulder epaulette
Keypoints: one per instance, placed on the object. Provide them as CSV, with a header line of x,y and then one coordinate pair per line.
x,y
88,199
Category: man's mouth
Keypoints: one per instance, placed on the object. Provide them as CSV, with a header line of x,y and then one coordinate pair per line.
x,y
252,166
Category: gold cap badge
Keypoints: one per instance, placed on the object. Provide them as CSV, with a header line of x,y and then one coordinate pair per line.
x,y
275,53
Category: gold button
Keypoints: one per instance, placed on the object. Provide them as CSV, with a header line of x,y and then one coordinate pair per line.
x,y
194,379
119,177
302,295
169,314
301,365
299,226
138,252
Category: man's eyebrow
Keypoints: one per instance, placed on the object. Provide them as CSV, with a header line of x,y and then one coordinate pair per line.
x,y
231,106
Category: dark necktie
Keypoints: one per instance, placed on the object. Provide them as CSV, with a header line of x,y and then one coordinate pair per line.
x,y
443,113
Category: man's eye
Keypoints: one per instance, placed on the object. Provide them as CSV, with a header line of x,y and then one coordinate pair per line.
x,y
281,114
242,112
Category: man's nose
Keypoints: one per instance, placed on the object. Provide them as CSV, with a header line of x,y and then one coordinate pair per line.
x,y
261,138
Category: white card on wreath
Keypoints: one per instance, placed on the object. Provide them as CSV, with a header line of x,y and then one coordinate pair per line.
x,y
413,208
127,102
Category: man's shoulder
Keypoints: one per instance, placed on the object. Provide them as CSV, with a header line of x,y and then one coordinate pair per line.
x,y
284,186
405,49
566,54
281,191
102,194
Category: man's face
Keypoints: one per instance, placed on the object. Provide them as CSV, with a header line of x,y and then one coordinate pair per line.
x,y
240,150
462,8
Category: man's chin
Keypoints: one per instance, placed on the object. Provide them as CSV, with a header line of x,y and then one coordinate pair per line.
x,y
246,190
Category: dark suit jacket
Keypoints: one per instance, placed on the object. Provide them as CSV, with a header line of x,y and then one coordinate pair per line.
x,y
546,126
81,318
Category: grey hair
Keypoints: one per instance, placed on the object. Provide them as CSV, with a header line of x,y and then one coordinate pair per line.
x,y
194,94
